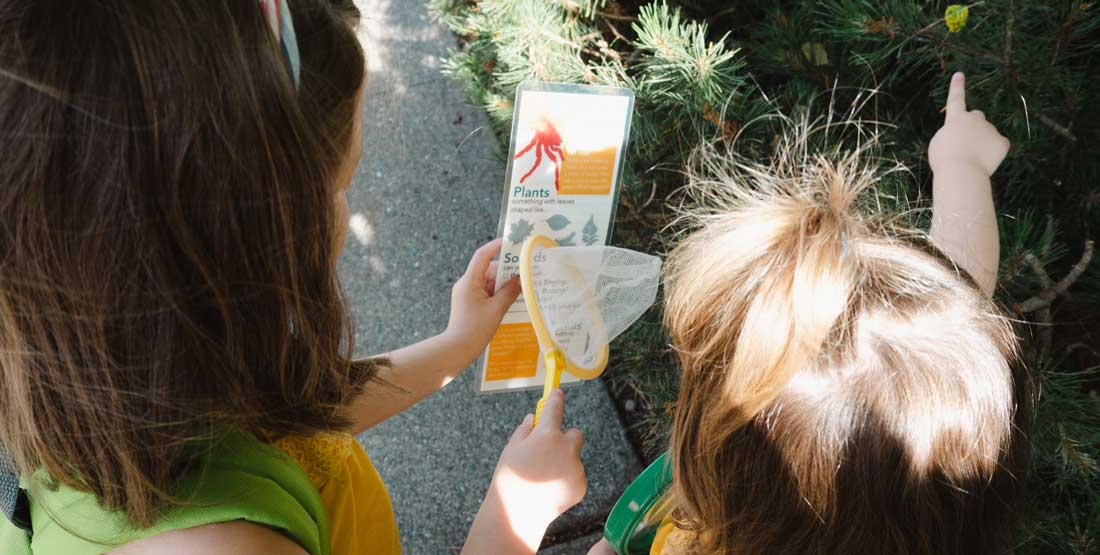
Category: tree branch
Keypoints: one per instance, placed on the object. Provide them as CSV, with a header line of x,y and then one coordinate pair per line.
x,y
1055,126
616,16
1047,296
1042,316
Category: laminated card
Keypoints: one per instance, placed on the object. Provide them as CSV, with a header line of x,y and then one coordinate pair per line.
x,y
565,161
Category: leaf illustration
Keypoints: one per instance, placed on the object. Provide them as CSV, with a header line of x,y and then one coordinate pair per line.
x,y
557,222
589,232
520,230
568,241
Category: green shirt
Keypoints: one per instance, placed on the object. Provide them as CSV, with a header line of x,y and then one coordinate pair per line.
x,y
240,478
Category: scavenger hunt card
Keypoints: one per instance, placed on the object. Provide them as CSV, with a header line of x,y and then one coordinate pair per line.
x,y
564,166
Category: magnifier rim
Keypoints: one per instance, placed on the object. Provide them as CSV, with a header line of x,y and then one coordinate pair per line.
x,y
538,321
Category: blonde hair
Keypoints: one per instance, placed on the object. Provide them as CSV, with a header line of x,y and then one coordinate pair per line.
x,y
845,387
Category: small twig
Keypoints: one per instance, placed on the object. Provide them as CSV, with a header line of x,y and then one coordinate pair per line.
x,y
562,40
1047,296
1044,277
652,194
1080,345
1042,316
615,31
716,16
1055,126
1009,20
616,16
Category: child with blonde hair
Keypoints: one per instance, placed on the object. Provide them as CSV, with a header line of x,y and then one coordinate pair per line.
x,y
176,370
848,385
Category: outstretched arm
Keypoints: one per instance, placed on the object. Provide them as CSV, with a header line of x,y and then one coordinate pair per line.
x,y
963,154
421,369
539,477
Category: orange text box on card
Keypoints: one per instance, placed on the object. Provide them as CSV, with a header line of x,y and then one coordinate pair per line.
x,y
513,353
587,172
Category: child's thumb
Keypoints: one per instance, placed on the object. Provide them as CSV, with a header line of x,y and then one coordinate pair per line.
x,y
508,294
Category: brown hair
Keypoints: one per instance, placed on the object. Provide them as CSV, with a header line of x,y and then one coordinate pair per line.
x,y
166,235
845,388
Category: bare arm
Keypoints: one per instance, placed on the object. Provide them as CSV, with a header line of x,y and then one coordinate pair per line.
x,y
416,371
423,368
964,154
539,477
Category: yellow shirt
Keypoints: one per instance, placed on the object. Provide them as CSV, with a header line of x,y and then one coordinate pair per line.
x,y
360,514
670,540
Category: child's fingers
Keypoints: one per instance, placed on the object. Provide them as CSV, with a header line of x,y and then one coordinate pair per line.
x,y
507,294
956,95
575,438
552,411
479,262
523,430
489,281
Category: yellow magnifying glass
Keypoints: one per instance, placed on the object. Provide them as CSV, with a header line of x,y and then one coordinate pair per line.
x,y
556,358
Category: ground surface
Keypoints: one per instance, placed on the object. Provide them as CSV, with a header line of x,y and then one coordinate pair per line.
x,y
425,197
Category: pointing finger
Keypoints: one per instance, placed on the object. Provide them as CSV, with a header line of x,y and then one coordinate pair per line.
x,y
956,95
550,419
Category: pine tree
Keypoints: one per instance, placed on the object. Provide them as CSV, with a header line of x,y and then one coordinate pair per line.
x,y
709,69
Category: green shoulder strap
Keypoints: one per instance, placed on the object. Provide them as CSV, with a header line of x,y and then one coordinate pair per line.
x,y
242,479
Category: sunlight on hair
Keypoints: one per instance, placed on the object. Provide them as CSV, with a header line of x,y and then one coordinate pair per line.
x,y
823,340
811,385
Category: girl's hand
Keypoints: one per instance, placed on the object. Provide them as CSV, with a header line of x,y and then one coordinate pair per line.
x,y
539,477
966,140
540,469
476,306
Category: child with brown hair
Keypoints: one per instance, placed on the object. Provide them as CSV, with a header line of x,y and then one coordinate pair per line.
x,y
176,371
848,385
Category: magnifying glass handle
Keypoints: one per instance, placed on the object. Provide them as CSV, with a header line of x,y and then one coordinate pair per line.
x,y
555,363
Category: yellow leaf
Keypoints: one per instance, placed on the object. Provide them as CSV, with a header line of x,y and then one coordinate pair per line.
x,y
815,53
955,17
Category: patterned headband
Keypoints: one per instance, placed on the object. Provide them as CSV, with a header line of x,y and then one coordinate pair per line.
x,y
277,14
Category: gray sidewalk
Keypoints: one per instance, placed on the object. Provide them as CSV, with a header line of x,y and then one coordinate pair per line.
x,y
426,196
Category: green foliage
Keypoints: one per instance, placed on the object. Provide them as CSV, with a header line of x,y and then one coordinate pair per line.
x,y
1066,467
713,69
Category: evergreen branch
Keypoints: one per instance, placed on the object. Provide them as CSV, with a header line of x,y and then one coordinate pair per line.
x,y
618,17
615,30
1044,277
1055,126
573,44
1047,296
1042,316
